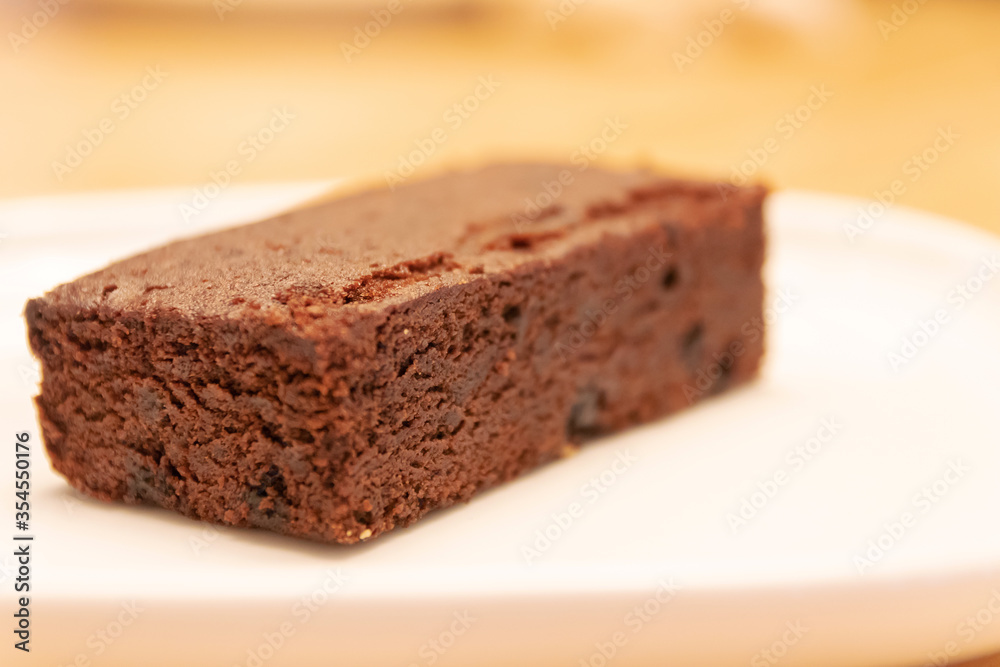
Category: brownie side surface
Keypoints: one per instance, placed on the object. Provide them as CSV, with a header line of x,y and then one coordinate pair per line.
x,y
340,401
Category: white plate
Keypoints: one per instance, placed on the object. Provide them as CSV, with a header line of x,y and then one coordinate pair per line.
x,y
458,588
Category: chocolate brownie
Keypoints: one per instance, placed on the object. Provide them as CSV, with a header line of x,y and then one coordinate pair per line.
x,y
344,369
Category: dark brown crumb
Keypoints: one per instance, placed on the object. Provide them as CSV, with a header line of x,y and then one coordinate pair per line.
x,y
340,371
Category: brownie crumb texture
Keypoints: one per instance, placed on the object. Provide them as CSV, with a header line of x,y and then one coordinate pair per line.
x,y
342,370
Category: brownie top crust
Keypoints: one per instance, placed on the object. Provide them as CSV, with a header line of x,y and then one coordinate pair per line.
x,y
342,257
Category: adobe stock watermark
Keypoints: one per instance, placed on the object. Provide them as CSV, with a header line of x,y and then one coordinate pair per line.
x,y
205,538
122,107
98,642
633,622
913,169
453,118
71,502
926,330
966,631
29,374
300,613
582,158
433,649
365,34
562,12
589,493
785,128
776,651
751,332
32,24
223,7
8,568
712,29
921,503
796,459
248,150
901,14
626,287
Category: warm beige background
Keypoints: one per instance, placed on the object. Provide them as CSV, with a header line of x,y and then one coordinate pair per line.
x,y
891,95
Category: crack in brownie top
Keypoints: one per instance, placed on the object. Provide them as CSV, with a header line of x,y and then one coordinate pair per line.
x,y
326,263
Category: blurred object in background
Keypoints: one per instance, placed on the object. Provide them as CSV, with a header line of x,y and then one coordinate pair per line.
x,y
673,16
838,96
810,15
325,10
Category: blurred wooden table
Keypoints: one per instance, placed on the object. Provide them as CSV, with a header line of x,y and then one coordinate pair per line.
x,y
991,661
890,97
166,99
